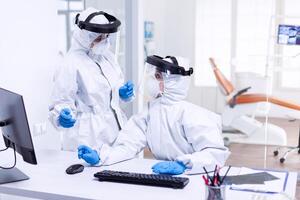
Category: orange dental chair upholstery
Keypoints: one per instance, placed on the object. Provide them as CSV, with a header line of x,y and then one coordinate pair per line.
x,y
236,115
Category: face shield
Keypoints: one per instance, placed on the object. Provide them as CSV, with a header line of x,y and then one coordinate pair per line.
x,y
153,82
101,30
160,73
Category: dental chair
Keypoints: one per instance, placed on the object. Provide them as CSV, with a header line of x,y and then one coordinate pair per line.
x,y
246,128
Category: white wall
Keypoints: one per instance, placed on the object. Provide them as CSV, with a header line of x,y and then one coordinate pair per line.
x,y
174,29
154,10
174,34
28,49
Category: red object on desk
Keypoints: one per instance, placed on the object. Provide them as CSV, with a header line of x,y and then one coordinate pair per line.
x,y
205,180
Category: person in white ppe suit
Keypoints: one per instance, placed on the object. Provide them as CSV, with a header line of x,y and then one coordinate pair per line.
x,y
186,135
87,90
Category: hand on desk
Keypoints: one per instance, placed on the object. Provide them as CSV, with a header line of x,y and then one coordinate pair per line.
x,y
88,155
169,167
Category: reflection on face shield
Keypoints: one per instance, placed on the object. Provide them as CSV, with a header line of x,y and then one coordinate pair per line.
x,y
92,36
100,38
154,82
100,44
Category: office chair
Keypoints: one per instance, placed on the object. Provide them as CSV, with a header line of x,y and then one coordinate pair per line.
x,y
290,150
236,115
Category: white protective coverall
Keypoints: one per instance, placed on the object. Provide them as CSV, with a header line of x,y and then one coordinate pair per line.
x,y
173,129
89,90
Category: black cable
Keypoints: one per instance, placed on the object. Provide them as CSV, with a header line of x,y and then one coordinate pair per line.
x,y
15,161
4,149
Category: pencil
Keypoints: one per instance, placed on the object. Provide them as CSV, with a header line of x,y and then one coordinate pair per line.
x,y
225,175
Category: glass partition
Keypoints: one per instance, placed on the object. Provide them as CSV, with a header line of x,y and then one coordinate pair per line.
x,y
242,38
283,66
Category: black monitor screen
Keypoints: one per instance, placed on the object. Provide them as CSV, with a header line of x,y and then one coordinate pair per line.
x,y
14,125
288,34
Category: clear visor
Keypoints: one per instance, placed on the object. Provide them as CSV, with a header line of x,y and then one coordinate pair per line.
x,y
99,43
112,38
97,37
153,71
101,37
151,83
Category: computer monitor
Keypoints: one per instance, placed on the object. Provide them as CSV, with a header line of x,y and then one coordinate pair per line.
x,y
16,134
288,34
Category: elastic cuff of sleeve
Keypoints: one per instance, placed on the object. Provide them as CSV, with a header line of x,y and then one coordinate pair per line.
x,y
186,160
104,152
129,99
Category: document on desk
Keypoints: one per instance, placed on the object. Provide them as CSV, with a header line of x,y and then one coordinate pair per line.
x,y
270,186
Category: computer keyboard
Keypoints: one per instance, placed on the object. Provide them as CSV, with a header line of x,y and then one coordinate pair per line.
x,y
142,179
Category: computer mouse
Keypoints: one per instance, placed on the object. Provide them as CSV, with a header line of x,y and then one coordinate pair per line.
x,y
74,169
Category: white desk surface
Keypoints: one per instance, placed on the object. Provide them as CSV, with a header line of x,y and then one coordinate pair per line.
x,y
48,180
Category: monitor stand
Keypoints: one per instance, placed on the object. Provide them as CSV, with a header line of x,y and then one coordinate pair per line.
x,y
12,175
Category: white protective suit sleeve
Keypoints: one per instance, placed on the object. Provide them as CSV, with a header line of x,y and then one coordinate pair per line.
x,y
206,139
130,142
64,93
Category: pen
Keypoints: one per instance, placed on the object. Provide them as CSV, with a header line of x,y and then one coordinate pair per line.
x,y
214,177
207,175
218,176
225,175
215,182
205,180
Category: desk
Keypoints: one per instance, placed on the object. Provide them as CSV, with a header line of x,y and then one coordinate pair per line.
x,y
49,181
252,155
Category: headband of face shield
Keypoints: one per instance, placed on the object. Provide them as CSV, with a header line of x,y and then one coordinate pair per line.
x,y
111,27
167,67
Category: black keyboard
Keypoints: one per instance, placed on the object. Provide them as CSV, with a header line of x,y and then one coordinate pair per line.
x,y
142,179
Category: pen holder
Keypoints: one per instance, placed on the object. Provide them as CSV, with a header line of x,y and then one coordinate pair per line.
x,y
215,192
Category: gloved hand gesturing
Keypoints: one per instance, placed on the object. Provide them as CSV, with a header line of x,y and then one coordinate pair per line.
x,y
126,92
65,118
169,167
88,155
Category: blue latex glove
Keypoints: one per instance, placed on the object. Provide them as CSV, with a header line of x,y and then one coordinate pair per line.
x,y
65,118
169,167
88,155
126,92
